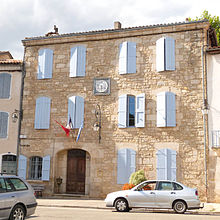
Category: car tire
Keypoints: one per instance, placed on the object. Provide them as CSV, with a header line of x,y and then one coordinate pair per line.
x,y
121,205
17,213
179,207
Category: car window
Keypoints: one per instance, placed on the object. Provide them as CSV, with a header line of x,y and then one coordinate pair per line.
x,y
2,186
165,186
147,186
9,186
177,186
18,184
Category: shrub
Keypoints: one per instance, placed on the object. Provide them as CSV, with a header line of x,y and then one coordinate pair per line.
x,y
127,186
137,177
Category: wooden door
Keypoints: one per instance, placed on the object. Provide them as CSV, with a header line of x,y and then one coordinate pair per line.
x,y
76,167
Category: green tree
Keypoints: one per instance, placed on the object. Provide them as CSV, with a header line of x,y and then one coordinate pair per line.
x,y
213,20
137,177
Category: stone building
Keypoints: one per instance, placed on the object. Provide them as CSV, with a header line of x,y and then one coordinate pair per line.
x,y
136,94
10,89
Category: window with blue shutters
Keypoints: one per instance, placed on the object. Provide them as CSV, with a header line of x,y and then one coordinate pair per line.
x,y
77,61
165,54
22,166
5,85
42,113
166,164
76,110
3,124
166,109
45,63
126,165
131,111
46,168
127,57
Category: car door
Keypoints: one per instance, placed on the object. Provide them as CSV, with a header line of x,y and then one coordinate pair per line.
x,y
7,199
143,196
164,194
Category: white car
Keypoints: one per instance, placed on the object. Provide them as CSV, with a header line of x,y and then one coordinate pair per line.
x,y
161,194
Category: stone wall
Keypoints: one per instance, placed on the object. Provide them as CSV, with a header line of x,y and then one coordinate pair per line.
x,y
102,61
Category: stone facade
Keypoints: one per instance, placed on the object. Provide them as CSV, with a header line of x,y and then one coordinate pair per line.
x,y
102,55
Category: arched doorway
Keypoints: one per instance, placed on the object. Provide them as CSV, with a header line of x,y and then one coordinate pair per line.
x,y
76,171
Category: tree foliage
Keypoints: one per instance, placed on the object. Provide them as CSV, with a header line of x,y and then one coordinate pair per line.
x,y
213,20
137,177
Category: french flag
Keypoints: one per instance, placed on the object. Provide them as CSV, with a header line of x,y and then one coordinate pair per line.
x,y
79,132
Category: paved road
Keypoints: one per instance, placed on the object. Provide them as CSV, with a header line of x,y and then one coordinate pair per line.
x,y
48,213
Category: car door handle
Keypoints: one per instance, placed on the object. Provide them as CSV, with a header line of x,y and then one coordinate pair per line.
x,y
172,193
152,193
12,196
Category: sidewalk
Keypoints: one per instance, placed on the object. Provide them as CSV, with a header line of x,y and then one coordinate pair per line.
x,y
209,208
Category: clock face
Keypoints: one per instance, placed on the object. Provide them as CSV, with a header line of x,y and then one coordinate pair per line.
x,y
101,86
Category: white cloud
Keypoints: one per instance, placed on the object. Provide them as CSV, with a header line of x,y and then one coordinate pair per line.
x,y
25,18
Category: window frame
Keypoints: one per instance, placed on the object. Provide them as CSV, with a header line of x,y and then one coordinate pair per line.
x,y
7,126
5,85
129,119
35,168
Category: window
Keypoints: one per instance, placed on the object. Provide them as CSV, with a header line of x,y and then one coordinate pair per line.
x,y
147,186
216,138
127,57
166,109
45,63
42,113
5,85
126,164
131,111
2,185
166,164
35,168
9,164
165,54
177,186
165,186
76,110
18,184
3,124
77,61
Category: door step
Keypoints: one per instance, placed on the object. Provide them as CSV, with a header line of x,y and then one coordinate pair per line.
x,y
70,196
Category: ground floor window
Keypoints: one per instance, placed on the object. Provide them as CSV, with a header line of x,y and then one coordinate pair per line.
x,y
9,164
35,171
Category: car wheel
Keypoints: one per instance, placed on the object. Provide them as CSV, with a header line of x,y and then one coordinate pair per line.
x,y
179,207
17,213
121,205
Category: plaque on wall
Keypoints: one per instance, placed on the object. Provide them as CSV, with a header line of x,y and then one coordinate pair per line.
x,y
101,86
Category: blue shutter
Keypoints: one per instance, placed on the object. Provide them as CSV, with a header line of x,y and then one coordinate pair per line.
x,y
122,111
42,113
79,114
3,124
171,164
123,58
160,54
170,109
131,163
5,85
140,111
170,53
162,164
22,166
73,62
81,64
46,168
121,166
45,64
161,109
78,61
72,109
131,57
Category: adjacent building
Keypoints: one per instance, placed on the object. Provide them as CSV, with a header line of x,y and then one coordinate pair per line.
x,y
134,96
10,93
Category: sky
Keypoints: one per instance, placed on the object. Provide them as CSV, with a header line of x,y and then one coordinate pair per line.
x,y
31,18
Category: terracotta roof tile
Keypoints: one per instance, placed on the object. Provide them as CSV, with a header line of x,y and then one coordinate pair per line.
x,y
10,61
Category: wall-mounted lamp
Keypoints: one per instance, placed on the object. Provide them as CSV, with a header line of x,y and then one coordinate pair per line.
x,y
15,115
97,125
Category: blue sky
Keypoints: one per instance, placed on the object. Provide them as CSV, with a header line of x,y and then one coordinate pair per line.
x,y
27,18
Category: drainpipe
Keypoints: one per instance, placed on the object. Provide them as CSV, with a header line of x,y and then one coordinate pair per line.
x,y
20,112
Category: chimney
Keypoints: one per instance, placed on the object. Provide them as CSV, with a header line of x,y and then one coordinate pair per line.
x,y
117,25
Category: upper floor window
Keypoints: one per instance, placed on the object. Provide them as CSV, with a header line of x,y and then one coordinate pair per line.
x,y
165,54
78,61
42,113
131,111
3,124
5,85
45,63
166,109
76,111
216,138
127,57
